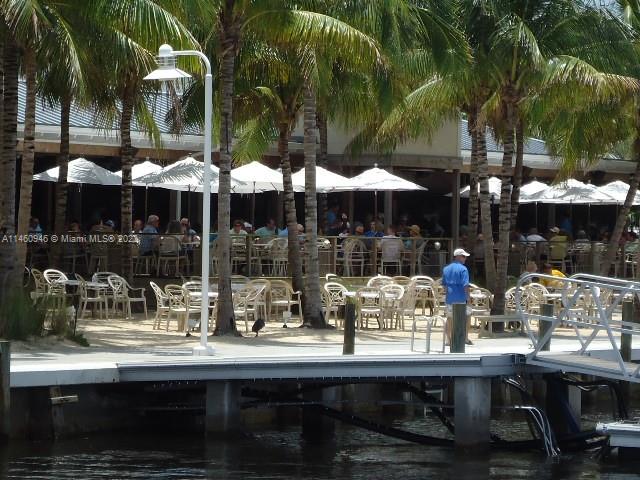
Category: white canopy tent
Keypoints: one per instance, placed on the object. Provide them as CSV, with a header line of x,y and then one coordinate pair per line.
x,y
326,181
82,171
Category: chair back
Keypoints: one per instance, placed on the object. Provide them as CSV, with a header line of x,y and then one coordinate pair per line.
x,y
102,277
175,296
161,297
391,249
281,290
169,246
118,286
392,291
368,296
337,292
188,290
378,281
52,275
40,283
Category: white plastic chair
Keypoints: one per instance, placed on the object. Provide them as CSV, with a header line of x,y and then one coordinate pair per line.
x,y
162,305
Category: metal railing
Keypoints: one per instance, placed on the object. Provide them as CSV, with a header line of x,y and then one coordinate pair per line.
x,y
588,302
351,256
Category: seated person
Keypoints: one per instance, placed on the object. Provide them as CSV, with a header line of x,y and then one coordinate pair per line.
x,y
549,270
375,230
149,238
269,230
414,237
238,228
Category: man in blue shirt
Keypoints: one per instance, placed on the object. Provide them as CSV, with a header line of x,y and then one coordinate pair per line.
x,y
455,280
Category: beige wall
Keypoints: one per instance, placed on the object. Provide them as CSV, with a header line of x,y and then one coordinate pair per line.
x,y
444,143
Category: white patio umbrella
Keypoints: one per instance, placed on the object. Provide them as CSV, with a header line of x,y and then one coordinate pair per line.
x,y
186,176
618,190
571,192
261,178
376,179
140,170
494,188
326,181
532,188
82,171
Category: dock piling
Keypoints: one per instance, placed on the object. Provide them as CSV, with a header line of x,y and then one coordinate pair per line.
x,y
472,403
348,347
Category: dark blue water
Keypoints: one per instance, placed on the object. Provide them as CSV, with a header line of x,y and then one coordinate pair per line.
x,y
355,454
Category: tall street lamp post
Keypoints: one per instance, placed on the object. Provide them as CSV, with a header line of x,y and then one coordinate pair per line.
x,y
168,71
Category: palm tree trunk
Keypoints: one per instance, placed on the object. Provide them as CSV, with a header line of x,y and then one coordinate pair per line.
x,y
505,214
295,261
229,41
62,185
9,273
621,220
472,221
517,174
312,301
28,152
323,161
485,206
126,163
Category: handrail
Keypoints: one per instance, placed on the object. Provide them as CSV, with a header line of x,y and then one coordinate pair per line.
x,y
573,290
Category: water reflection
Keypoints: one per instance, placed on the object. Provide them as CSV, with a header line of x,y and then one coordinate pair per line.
x,y
353,454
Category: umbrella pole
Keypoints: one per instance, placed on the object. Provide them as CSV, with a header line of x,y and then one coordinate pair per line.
x,y
146,201
375,206
253,206
536,208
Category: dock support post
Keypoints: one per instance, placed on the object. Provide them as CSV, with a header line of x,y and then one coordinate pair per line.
x,y
318,428
348,346
222,407
5,389
546,310
564,406
459,327
472,403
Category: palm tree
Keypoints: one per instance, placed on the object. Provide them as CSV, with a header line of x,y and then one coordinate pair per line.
x,y
124,46
10,274
528,41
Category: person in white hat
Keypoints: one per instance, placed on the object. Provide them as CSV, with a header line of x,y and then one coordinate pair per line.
x,y
455,279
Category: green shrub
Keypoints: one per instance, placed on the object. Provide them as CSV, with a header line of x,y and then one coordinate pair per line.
x,y
19,318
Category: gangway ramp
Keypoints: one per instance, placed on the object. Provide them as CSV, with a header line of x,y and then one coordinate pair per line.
x,y
589,365
592,306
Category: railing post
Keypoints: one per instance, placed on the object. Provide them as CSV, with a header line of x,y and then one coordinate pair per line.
x,y
348,347
458,328
5,388
546,310
334,254
625,343
374,256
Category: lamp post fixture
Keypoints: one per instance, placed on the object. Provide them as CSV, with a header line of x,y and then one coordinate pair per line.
x,y
168,71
